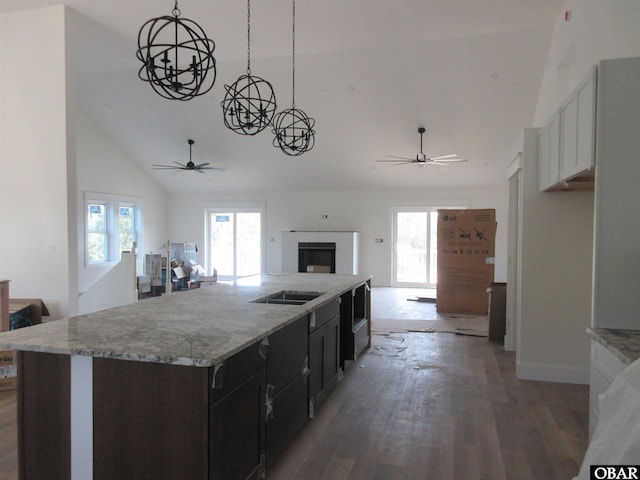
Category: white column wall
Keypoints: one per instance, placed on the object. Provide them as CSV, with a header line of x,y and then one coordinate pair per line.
x,y
36,155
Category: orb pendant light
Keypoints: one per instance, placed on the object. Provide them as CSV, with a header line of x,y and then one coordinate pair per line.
x,y
249,103
293,128
177,57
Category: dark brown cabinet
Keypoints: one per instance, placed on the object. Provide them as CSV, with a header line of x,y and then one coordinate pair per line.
x,y
355,328
324,353
287,397
237,432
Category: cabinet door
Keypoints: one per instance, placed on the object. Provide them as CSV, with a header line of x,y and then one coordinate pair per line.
x,y
554,151
543,158
324,361
316,363
237,432
332,353
569,138
586,123
549,153
287,354
289,414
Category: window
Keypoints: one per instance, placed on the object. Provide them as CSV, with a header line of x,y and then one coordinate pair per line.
x,y
234,245
97,233
112,227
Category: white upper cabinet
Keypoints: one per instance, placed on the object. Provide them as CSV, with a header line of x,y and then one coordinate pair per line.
x,y
578,116
549,153
567,141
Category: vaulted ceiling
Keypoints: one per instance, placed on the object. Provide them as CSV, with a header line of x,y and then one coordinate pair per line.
x,y
370,72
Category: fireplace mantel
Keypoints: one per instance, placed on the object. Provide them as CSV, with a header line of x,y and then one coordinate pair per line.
x,y
346,249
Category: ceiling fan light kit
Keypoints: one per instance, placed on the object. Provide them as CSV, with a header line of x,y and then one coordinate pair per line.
x,y
177,57
250,103
421,159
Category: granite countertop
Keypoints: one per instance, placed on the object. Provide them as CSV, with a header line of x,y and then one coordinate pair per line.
x,y
200,327
624,344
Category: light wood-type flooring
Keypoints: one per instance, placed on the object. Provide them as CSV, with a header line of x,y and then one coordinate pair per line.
x,y
422,406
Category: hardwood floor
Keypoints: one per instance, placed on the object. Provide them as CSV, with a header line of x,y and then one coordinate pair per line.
x,y
422,406
441,406
8,436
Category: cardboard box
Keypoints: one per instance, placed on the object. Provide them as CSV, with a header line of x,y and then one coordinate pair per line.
x,y
318,269
37,309
4,305
8,371
466,259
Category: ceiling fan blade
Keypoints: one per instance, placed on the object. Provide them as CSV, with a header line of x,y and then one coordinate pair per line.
x,y
164,167
450,160
182,165
401,158
396,161
201,165
441,157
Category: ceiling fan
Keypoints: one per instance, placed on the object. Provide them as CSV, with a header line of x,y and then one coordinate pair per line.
x,y
421,159
189,166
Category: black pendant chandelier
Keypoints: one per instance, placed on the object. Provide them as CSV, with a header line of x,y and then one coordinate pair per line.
x,y
293,129
177,57
249,103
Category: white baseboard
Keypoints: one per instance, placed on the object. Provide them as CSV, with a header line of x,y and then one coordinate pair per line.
x,y
552,373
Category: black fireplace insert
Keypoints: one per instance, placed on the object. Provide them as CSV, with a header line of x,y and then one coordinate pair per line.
x,y
317,257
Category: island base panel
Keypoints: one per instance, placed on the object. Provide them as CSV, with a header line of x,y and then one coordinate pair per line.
x,y
150,421
44,415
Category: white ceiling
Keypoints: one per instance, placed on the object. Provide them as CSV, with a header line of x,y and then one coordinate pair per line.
x,y
370,72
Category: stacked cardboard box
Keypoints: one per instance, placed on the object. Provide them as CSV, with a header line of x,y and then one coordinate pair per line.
x,y
466,258
36,309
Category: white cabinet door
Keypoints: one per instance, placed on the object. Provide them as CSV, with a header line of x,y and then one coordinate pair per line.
x,y
569,138
577,116
543,157
586,123
549,153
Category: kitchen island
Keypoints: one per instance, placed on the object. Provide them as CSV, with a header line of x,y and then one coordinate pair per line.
x,y
210,383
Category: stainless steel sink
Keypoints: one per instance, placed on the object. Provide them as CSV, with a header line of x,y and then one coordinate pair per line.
x,y
288,297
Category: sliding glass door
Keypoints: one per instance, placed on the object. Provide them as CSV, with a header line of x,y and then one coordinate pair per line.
x,y
415,247
235,242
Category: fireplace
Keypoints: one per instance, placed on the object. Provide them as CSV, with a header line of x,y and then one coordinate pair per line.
x,y
317,257
331,252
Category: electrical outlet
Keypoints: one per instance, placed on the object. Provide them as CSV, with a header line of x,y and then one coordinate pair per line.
x,y
324,216
378,240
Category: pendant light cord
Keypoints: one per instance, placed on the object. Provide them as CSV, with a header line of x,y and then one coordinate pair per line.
x,y
249,37
293,57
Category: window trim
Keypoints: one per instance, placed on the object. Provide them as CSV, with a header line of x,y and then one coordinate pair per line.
x,y
113,203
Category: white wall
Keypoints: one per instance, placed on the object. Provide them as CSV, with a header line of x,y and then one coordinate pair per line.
x,y
366,211
103,167
45,164
558,241
37,151
597,29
